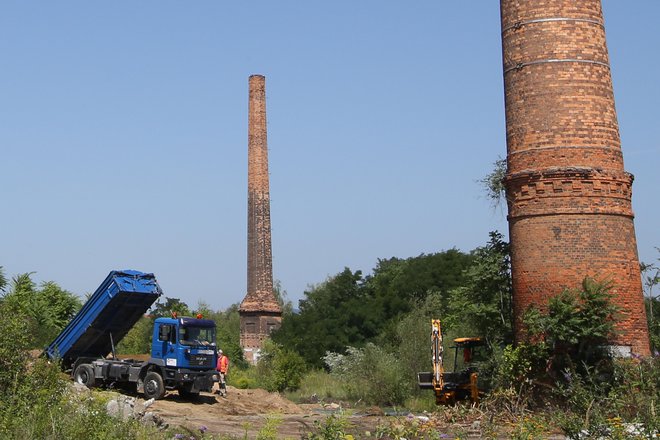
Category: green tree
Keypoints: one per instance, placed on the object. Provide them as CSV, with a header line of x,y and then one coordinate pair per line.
x,y
171,305
397,284
332,316
3,279
138,338
204,309
281,296
61,304
349,309
228,335
48,309
22,293
483,305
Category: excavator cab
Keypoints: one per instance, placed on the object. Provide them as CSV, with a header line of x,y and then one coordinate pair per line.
x,y
461,382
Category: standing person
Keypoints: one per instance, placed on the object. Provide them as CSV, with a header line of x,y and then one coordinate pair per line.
x,y
223,368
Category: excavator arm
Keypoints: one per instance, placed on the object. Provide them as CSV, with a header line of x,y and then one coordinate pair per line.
x,y
436,347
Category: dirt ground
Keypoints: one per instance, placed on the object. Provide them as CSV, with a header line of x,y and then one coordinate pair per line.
x,y
243,413
247,411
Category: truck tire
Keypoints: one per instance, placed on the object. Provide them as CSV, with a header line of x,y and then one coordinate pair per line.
x,y
154,388
84,375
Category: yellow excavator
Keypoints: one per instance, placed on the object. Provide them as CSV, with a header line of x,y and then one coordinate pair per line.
x,y
450,387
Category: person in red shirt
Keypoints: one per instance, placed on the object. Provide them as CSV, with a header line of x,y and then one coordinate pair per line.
x,y
223,368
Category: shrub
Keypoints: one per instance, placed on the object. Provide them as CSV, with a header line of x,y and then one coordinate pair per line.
x,y
14,342
35,398
577,326
370,374
333,427
242,378
594,406
279,369
518,365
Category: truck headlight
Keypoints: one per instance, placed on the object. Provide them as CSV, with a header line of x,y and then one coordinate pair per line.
x,y
215,378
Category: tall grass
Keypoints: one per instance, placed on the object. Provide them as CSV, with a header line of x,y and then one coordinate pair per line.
x,y
319,386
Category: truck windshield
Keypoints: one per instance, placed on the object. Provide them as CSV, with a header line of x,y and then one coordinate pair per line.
x,y
197,335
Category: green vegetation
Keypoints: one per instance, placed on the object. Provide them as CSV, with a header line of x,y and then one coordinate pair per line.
x,y
35,399
349,309
493,182
47,308
370,374
280,369
575,330
360,340
651,279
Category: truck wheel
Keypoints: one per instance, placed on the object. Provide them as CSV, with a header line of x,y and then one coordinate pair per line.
x,y
154,388
84,375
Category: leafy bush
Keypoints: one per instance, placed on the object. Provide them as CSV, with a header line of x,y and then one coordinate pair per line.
x,y
333,427
576,328
565,364
14,340
370,374
35,398
593,406
279,369
242,378
520,364
269,430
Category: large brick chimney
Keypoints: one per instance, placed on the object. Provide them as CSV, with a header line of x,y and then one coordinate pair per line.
x,y
569,197
259,311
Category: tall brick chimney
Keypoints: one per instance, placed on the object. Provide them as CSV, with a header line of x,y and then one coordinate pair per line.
x,y
568,195
259,311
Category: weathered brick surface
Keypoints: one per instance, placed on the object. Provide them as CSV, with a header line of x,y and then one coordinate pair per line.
x,y
259,311
569,198
255,327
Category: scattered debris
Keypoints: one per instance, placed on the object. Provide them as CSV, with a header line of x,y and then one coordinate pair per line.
x,y
126,407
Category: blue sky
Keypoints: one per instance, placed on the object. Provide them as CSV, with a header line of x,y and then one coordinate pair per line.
x,y
123,135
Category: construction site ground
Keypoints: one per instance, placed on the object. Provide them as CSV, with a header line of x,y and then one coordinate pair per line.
x,y
243,413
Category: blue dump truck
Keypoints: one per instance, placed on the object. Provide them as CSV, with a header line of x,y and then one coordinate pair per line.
x,y
183,350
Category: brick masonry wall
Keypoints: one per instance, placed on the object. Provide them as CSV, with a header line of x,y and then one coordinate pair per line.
x,y
259,311
569,197
260,272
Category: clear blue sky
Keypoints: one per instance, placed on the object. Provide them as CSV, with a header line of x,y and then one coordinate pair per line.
x,y
123,134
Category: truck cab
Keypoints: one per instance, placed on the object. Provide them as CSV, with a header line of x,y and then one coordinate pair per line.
x,y
184,354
